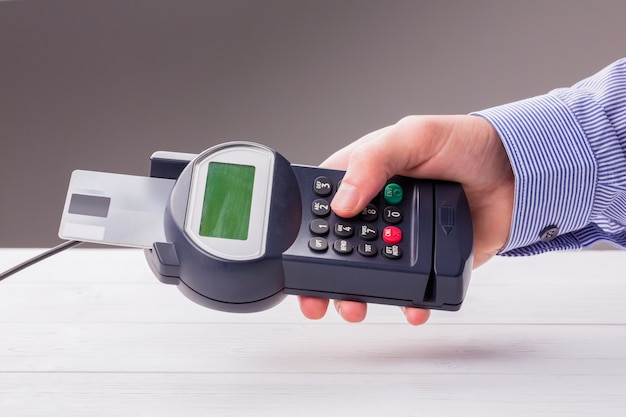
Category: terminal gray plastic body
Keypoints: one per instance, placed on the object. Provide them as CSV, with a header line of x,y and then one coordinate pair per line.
x,y
433,272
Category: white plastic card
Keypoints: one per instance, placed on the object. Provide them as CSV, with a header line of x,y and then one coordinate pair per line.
x,y
115,209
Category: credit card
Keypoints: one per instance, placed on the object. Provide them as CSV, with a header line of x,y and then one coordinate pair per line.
x,y
115,209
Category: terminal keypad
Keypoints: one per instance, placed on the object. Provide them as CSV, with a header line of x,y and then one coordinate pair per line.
x,y
376,231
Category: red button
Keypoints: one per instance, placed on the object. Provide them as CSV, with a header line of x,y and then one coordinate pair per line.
x,y
392,235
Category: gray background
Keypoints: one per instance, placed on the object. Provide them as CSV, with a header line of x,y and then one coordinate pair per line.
x,y
102,84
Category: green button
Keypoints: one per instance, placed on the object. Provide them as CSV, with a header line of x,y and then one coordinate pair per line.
x,y
393,193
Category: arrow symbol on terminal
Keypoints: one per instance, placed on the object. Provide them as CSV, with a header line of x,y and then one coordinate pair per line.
x,y
447,217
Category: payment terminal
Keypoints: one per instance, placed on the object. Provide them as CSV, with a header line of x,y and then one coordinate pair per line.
x,y
237,228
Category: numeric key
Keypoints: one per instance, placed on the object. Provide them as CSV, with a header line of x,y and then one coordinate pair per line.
x,y
322,186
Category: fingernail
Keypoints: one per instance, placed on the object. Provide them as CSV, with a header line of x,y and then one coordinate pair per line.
x,y
337,304
346,198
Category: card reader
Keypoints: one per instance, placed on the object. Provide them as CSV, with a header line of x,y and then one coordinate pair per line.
x,y
237,228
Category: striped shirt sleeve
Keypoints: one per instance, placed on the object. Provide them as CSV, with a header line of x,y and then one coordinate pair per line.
x,y
568,152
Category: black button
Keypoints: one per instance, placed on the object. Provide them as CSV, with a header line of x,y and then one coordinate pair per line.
x,y
319,227
320,207
318,244
343,247
367,249
322,186
343,229
392,252
392,215
369,213
368,232
549,233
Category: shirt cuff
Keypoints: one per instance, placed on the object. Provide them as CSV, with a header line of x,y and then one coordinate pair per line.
x,y
554,167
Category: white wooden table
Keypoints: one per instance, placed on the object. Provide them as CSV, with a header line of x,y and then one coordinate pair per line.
x,y
92,333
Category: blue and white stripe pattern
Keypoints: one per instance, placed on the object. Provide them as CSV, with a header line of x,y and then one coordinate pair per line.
x,y
568,153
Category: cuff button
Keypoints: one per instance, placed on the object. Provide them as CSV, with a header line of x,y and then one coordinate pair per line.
x,y
549,233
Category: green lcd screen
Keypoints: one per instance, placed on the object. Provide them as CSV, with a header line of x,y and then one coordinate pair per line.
x,y
227,201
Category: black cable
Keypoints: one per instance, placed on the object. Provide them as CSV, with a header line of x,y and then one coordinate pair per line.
x,y
40,257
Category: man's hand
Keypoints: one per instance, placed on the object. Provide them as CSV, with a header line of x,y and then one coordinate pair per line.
x,y
465,149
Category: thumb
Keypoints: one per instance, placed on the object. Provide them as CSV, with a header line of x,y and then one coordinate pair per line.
x,y
370,162
350,199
